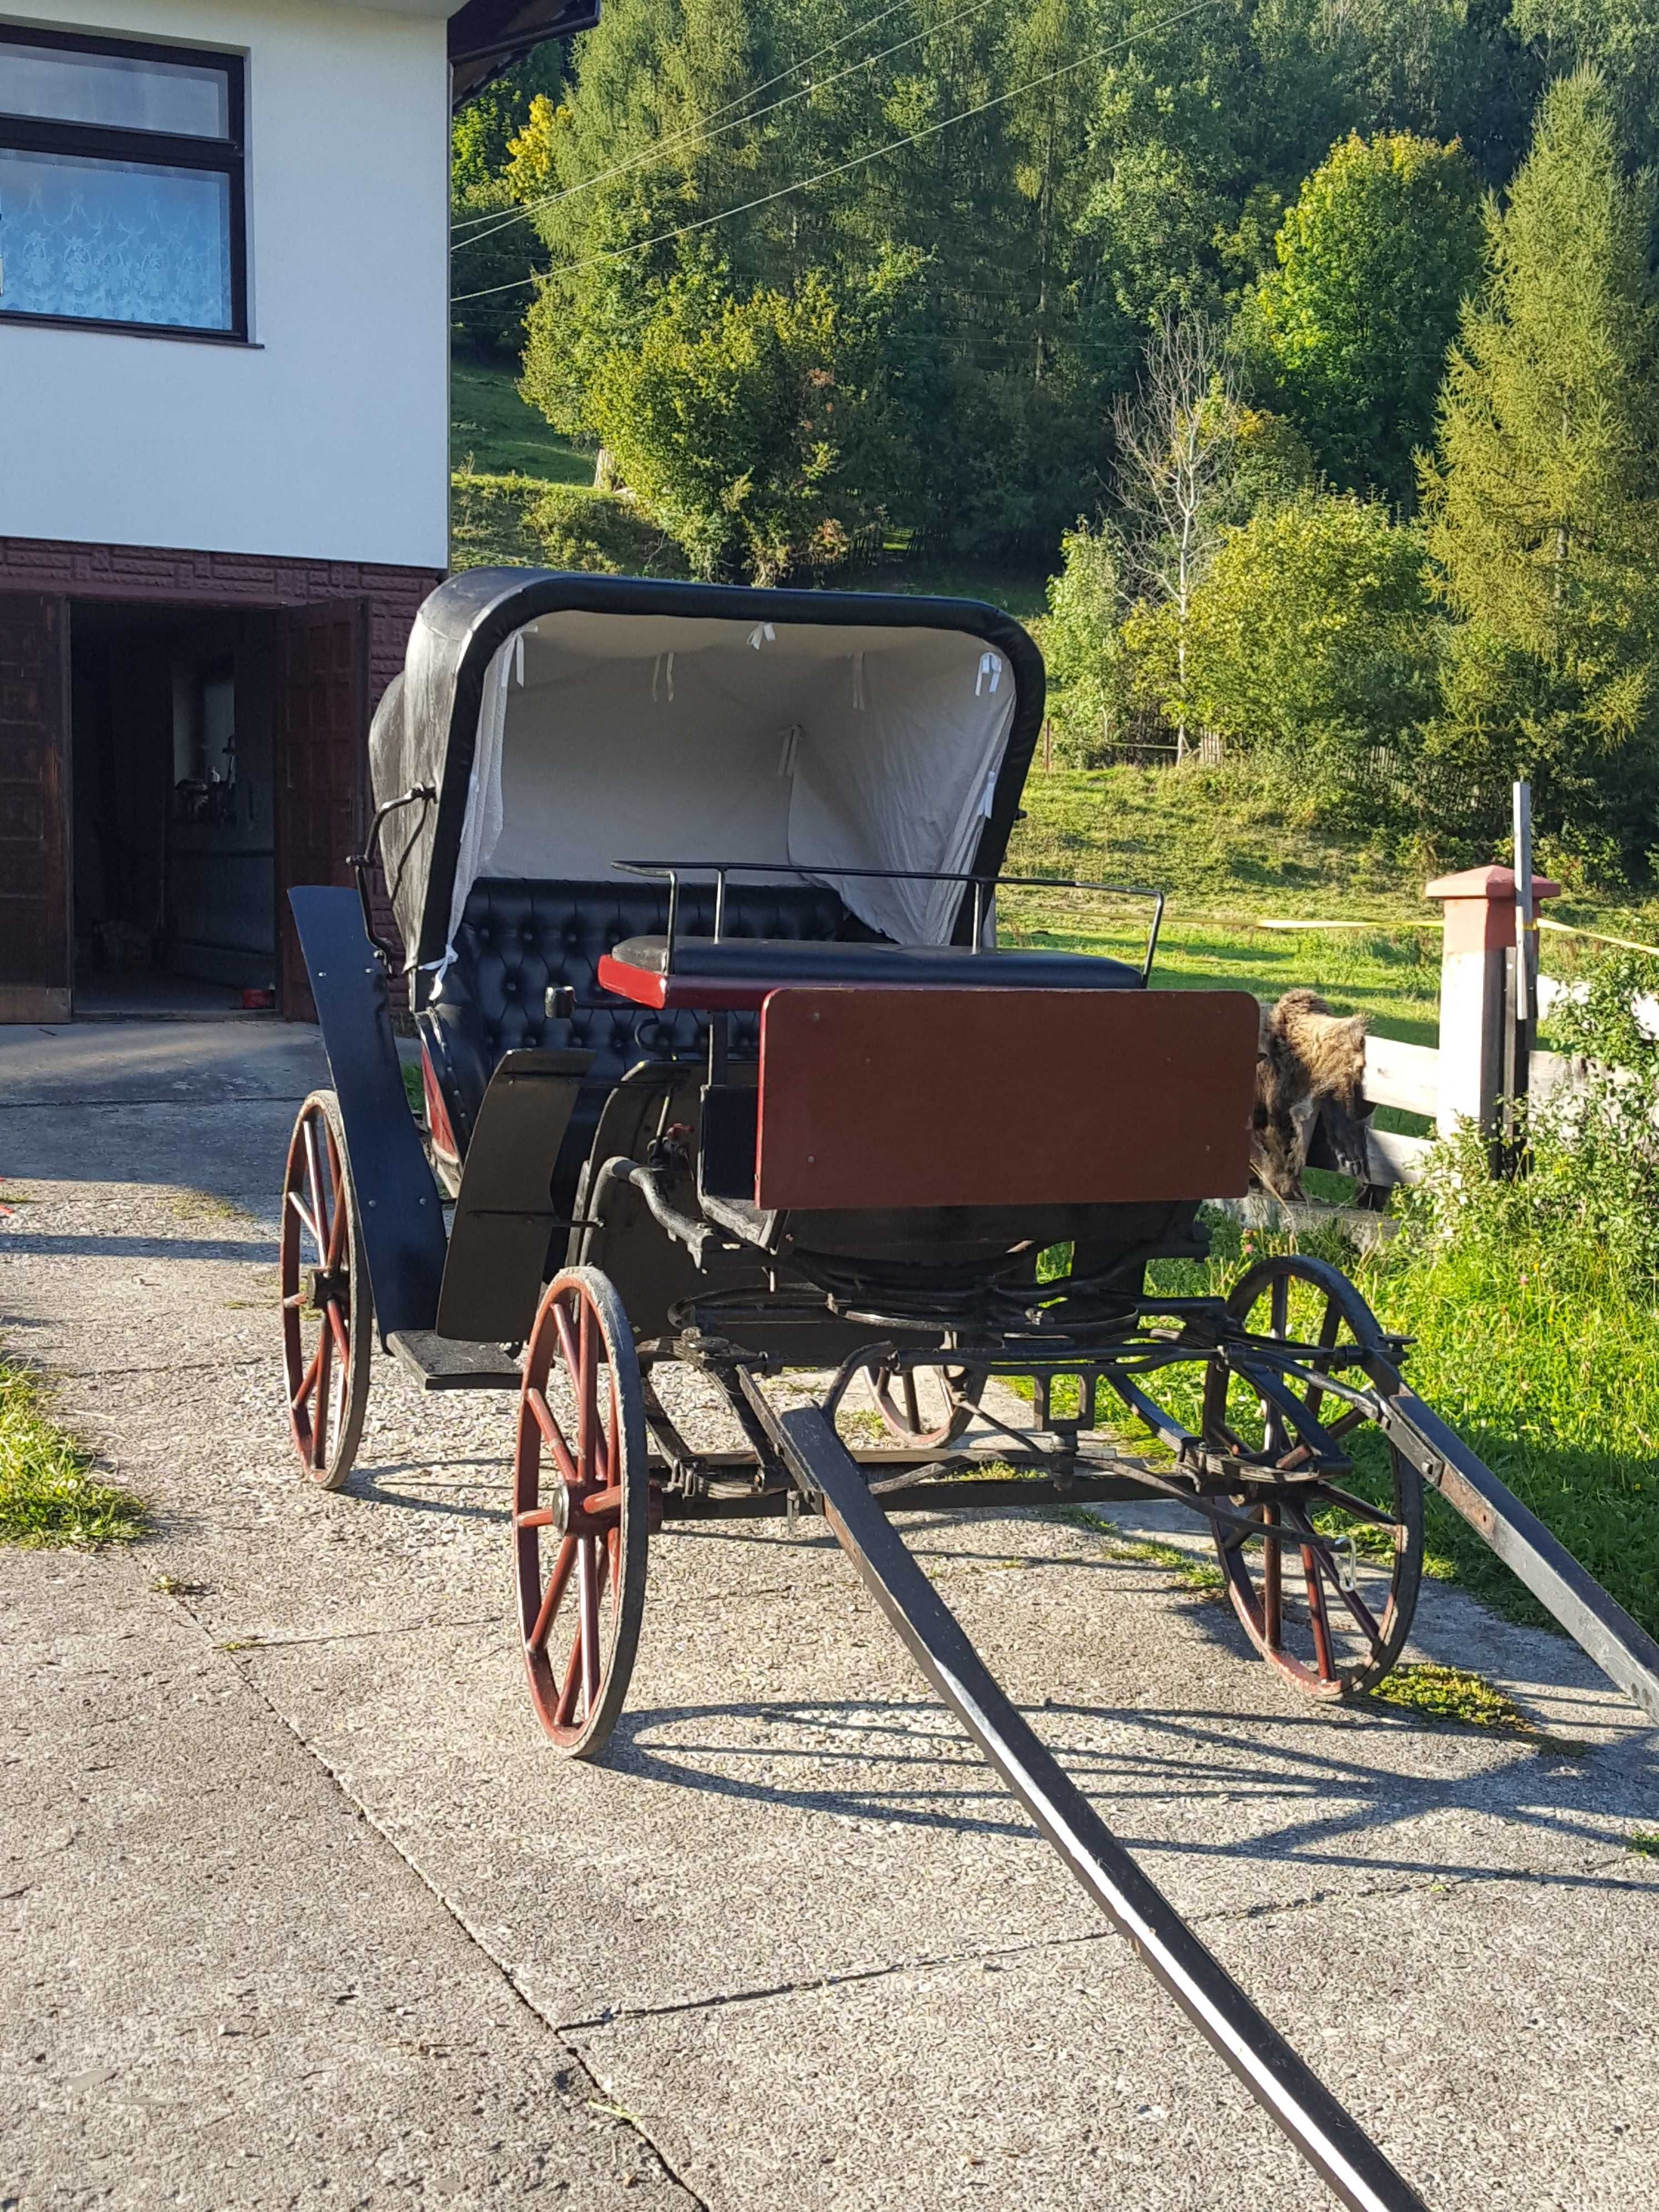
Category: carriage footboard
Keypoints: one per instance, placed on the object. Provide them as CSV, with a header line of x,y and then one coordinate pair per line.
x,y
1329,2137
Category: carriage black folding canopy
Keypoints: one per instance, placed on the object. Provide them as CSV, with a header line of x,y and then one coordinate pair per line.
x,y
773,727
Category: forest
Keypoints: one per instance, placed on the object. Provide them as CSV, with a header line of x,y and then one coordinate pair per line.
x,y
1307,346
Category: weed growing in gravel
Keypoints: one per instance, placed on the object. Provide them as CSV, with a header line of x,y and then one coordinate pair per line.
x,y
206,1205
48,1493
1644,1842
1452,1693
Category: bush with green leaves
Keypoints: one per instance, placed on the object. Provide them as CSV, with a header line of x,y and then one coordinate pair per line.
x,y
1313,635
602,532
746,424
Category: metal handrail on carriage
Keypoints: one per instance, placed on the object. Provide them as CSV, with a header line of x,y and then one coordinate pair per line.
x,y
673,873
764,1252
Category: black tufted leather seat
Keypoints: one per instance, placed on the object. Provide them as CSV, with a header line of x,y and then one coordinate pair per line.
x,y
517,936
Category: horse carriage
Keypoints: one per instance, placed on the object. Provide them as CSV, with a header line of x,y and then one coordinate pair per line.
x,y
726,1068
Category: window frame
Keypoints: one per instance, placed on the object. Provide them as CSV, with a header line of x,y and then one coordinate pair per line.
x,y
156,149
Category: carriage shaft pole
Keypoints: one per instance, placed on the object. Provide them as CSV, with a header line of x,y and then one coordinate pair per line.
x,y
1329,2137
1620,1647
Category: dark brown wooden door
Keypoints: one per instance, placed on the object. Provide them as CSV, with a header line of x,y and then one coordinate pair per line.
x,y
36,941
321,765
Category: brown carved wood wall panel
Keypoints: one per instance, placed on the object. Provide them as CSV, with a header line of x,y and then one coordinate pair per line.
x,y
322,682
375,604
35,946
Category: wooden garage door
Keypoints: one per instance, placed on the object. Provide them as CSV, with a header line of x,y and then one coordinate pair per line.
x,y
36,948
322,764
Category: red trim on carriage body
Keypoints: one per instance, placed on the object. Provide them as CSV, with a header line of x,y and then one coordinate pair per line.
x,y
732,994
880,1095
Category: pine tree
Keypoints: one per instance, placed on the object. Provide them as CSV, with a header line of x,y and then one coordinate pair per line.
x,y
1540,502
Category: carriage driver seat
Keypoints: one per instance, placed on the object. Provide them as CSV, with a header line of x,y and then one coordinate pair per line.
x,y
519,936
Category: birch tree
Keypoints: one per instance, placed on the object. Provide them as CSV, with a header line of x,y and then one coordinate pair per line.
x,y
1178,445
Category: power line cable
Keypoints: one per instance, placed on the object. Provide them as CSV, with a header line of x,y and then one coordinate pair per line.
x,y
497,220
858,160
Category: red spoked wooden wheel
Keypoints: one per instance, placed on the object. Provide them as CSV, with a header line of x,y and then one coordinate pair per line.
x,y
928,1406
1328,1588
581,1509
328,1308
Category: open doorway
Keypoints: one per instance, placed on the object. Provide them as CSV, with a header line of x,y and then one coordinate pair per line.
x,y
172,804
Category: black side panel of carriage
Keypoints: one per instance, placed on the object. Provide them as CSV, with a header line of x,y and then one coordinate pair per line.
x,y
398,1207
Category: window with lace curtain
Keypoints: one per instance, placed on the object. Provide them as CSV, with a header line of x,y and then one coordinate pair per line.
x,y
121,184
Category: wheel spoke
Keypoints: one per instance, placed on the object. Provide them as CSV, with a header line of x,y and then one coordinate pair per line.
x,y
315,1182
1356,1604
1328,1330
298,1204
587,1380
337,1229
553,1595
1273,1580
1361,1508
912,1410
567,1340
1318,1619
308,1381
549,1428
566,1707
320,1413
337,1330
587,1598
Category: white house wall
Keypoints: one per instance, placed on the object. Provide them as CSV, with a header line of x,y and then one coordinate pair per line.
x,y
327,437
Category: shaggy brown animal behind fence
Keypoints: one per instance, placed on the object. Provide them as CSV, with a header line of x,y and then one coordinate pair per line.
x,y
1309,1072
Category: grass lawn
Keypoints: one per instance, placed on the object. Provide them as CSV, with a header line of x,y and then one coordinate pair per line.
x,y
492,427
1233,849
48,1492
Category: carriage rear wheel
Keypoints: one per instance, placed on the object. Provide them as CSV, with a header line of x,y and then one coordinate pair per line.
x,y
581,1508
328,1308
1327,1589
926,1407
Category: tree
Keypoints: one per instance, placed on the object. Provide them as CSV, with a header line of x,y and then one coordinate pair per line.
x,y
495,248
1081,642
487,123
1542,502
1619,37
1349,333
1177,439
1313,634
742,424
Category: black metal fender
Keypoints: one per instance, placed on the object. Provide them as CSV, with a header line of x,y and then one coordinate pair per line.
x,y
398,1200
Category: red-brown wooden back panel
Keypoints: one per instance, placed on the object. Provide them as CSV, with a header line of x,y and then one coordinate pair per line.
x,y
889,1098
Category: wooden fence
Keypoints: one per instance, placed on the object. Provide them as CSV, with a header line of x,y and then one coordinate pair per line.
x,y
1463,1078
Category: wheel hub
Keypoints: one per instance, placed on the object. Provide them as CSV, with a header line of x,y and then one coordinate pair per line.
x,y
325,1288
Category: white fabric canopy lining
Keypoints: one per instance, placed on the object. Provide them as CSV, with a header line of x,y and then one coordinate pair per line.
x,y
605,738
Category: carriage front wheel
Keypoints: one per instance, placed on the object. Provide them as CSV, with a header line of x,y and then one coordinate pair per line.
x,y
328,1309
581,1509
1325,1577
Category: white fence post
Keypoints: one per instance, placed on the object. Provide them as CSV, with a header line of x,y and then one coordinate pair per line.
x,y
1479,909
